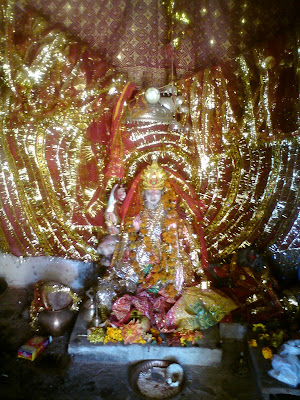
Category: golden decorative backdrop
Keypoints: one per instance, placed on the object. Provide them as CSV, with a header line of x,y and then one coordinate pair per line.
x,y
65,134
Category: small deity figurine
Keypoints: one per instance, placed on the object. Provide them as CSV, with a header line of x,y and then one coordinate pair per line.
x,y
158,257
106,249
112,212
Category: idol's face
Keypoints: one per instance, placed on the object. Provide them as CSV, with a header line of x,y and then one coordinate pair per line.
x,y
152,198
121,194
107,247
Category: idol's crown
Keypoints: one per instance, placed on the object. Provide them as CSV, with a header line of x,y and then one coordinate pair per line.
x,y
154,177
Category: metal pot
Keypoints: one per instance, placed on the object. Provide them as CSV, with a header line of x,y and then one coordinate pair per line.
x,y
55,323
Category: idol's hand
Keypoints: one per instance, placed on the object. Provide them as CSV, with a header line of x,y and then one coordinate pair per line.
x,y
126,255
110,218
137,223
113,230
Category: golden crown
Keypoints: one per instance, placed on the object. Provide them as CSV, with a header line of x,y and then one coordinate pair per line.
x,y
154,177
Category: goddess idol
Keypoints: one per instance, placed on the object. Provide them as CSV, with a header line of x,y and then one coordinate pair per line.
x,y
157,260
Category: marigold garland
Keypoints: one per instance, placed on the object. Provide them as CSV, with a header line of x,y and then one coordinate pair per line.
x,y
133,333
159,273
130,333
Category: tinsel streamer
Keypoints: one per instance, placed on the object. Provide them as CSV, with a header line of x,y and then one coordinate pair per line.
x,y
179,21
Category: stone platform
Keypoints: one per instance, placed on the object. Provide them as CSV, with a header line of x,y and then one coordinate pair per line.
x,y
207,354
211,370
55,375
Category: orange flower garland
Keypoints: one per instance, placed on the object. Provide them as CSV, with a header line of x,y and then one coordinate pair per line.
x,y
161,272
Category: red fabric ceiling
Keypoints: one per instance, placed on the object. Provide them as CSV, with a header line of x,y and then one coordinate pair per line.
x,y
132,34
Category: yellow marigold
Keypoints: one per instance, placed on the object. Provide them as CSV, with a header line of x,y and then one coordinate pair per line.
x,y
136,266
172,214
152,280
182,341
113,335
133,237
252,343
169,237
141,341
264,336
171,220
152,260
258,327
147,242
163,264
267,353
172,263
169,194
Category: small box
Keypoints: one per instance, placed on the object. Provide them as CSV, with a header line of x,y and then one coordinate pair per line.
x,y
31,349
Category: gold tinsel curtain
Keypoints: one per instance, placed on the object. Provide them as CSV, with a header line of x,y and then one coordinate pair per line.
x,y
52,156
242,155
61,105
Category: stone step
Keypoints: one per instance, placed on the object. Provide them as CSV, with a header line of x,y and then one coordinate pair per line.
x,y
124,354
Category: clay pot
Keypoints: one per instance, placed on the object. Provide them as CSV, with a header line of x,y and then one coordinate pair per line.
x,y
55,323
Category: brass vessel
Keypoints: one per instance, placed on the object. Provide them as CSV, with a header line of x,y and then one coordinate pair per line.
x,y
55,323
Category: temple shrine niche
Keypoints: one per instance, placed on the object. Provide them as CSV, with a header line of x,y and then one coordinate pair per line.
x,y
171,179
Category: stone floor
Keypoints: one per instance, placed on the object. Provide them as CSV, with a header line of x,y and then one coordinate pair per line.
x,y
56,375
